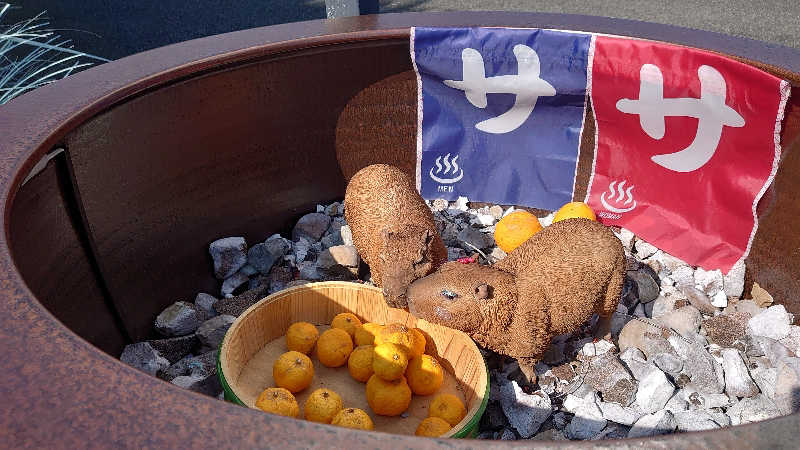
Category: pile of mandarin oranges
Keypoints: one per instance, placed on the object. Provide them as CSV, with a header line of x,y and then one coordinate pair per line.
x,y
390,359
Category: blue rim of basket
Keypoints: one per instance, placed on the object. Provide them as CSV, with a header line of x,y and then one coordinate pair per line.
x,y
467,431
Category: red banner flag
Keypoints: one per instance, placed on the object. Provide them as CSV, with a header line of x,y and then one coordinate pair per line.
x,y
687,143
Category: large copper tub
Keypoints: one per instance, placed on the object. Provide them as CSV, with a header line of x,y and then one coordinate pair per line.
x,y
239,134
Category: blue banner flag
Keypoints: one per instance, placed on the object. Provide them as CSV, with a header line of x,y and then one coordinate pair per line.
x,y
500,113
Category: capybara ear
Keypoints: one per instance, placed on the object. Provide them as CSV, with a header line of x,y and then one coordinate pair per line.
x,y
482,291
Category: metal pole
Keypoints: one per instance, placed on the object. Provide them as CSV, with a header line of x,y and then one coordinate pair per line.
x,y
346,8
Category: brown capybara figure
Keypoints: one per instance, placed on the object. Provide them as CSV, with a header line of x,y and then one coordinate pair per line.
x,y
549,285
393,229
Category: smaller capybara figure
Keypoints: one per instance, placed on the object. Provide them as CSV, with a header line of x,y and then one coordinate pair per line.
x,y
393,229
549,285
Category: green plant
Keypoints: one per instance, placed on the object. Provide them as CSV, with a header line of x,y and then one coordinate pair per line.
x,y
33,55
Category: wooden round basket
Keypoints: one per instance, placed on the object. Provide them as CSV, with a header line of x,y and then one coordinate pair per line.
x,y
256,339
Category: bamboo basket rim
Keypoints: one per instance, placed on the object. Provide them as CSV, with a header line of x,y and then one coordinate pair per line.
x,y
462,429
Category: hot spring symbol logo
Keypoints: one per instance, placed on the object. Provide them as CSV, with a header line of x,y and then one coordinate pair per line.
x,y
450,168
621,194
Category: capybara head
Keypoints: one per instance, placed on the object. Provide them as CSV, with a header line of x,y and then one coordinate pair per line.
x,y
464,296
406,255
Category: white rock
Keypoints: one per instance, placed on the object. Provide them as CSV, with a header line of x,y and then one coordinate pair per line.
x,y
708,281
733,282
737,378
644,250
626,237
547,220
497,254
677,403
508,211
461,204
704,373
792,341
620,414
787,385
588,420
484,220
320,209
661,422
635,362
720,418
683,276
749,307
525,412
347,235
655,263
694,420
720,300
765,378
697,400
773,323
668,363
301,248
774,350
598,348
670,262
754,409
685,321
496,211
654,392
663,305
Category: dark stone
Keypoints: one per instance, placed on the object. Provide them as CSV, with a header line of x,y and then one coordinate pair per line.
x,y
262,258
212,331
239,303
648,309
203,364
630,294
175,348
647,286
205,302
233,283
493,418
179,319
229,255
144,357
474,237
311,226
177,369
257,282
208,384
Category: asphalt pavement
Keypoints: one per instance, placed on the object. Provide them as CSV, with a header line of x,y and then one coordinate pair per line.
x,y
116,28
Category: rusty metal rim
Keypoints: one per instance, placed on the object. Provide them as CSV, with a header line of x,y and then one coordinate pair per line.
x,y
61,107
